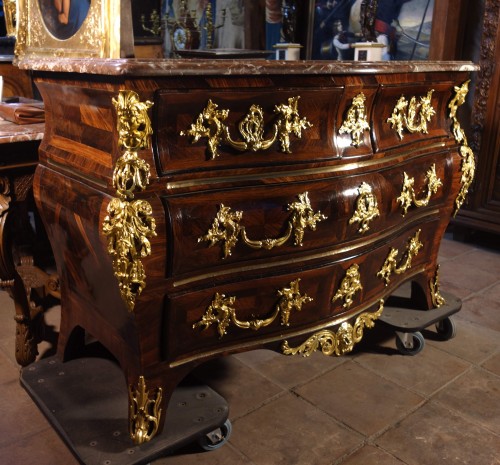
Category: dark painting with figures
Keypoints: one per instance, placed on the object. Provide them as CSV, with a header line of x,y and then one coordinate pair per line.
x,y
402,26
147,20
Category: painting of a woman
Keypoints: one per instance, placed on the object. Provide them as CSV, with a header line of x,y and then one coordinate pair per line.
x,y
64,18
70,15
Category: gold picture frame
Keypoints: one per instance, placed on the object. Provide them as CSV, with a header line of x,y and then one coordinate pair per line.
x,y
104,30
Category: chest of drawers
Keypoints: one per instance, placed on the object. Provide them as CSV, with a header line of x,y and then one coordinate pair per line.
x,y
198,209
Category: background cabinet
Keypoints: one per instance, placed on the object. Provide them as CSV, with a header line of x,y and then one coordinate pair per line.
x,y
482,45
470,31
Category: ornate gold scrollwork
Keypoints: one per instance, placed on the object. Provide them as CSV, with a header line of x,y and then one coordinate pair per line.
x,y
338,343
408,196
129,224
391,265
366,208
455,103
468,172
210,124
222,312
144,412
226,227
131,173
350,284
437,298
412,115
468,167
356,123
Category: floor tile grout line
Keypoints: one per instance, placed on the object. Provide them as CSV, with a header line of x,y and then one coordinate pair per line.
x,y
233,446
494,354
378,433
459,357
414,391
426,398
370,439
441,347
347,455
265,402
488,372
329,415
300,384
482,291
471,293
365,443
465,417
476,245
284,389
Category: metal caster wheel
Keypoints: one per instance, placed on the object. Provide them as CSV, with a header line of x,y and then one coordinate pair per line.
x,y
410,343
216,438
446,329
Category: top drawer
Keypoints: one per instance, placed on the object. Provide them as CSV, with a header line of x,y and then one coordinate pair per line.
x,y
209,130
408,114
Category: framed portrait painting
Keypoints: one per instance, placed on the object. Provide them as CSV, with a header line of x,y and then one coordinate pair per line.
x,y
73,28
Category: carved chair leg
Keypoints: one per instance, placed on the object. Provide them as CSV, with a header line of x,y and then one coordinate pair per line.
x,y
26,340
19,281
26,344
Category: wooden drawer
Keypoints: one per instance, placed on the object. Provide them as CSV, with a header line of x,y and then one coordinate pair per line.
x,y
395,104
177,112
218,229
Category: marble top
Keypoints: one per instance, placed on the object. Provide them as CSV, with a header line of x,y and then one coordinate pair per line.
x,y
194,66
12,132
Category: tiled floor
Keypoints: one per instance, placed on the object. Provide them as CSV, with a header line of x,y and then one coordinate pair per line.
x,y
375,406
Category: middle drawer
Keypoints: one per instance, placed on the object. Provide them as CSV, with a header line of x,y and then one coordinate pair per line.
x,y
219,228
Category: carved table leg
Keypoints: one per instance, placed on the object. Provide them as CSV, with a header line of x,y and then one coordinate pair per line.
x,y
26,348
19,281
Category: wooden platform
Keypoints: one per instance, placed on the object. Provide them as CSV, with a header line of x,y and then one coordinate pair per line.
x,y
86,402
